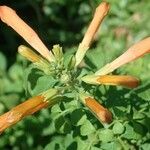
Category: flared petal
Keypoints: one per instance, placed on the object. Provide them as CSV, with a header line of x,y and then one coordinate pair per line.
x,y
134,52
9,16
100,13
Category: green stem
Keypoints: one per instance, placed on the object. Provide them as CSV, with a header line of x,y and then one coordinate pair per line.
x,y
122,143
63,112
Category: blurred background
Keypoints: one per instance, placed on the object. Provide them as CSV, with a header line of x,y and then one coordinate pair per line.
x,y
61,22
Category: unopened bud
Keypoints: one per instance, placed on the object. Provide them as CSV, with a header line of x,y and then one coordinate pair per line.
x,y
28,53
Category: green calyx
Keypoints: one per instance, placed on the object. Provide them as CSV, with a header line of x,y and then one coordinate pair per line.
x,y
57,50
50,94
62,71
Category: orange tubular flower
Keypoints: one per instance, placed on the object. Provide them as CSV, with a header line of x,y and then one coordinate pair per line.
x,y
19,112
100,13
101,113
134,52
9,16
123,80
27,108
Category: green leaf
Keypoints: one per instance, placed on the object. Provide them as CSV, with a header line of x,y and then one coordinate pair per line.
x,y
118,128
111,146
130,133
56,109
10,100
55,144
67,60
62,125
43,83
81,144
16,72
10,86
106,135
78,117
139,128
2,108
87,128
95,148
145,146
36,82
95,58
144,92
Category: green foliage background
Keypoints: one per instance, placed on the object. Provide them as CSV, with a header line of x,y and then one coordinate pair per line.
x,y
68,125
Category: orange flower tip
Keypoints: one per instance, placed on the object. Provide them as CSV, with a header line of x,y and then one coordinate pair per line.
x,y
103,7
105,116
3,10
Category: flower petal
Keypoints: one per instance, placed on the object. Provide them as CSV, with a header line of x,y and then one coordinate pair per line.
x,y
102,114
134,52
123,80
100,13
10,17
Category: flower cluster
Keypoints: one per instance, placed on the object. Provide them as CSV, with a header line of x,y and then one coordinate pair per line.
x,y
51,63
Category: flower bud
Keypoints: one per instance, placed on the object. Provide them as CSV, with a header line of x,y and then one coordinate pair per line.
x,y
121,80
28,54
102,114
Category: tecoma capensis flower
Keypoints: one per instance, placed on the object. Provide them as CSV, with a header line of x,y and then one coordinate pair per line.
x,y
51,63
